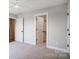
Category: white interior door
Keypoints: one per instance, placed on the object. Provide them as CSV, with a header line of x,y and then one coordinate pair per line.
x,y
19,29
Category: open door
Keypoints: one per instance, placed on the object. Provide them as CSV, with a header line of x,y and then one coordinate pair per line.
x,y
11,29
19,30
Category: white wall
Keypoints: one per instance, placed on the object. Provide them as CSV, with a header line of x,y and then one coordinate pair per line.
x,y
57,25
12,16
29,31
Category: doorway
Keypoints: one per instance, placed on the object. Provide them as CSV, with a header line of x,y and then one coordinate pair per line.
x,y
11,29
41,30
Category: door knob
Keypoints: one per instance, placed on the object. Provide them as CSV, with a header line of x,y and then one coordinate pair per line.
x,y
21,31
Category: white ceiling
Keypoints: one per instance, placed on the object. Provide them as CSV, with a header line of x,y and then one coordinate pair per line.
x,y
29,5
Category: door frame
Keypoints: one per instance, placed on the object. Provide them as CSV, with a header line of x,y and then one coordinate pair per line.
x,y
40,14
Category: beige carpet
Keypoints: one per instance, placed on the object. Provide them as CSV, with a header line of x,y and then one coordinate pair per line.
x,y
26,51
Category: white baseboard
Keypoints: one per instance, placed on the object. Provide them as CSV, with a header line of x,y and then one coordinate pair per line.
x,y
59,49
33,43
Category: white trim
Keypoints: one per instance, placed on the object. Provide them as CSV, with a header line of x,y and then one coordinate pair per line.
x,y
59,49
12,17
33,43
39,14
